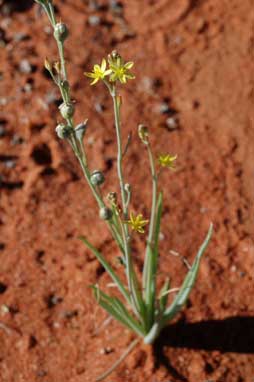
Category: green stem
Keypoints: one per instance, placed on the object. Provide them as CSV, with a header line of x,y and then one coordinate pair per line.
x,y
154,195
120,152
80,154
78,149
130,272
60,46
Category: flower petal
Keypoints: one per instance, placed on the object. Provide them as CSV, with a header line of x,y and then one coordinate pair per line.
x,y
129,65
89,74
94,81
103,65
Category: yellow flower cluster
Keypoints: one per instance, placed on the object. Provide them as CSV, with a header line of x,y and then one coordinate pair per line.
x,y
137,223
167,160
117,70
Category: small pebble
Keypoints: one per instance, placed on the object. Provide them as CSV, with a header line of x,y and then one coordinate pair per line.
x,y
4,309
54,300
99,107
116,7
20,37
56,325
172,123
94,20
3,101
25,67
16,140
163,108
28,88
106,350
10,164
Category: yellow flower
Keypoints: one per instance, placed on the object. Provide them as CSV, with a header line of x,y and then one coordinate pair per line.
x,y
99,72
167,160
120,71
137,223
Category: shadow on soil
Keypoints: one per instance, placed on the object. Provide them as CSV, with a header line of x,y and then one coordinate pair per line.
x,y
233,334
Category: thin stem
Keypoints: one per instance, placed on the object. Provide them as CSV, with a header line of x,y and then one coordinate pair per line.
x,y
83,163
80,155
130,273
154,195
120,152
60,46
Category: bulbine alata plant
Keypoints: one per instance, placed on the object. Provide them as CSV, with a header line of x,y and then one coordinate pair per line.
x,y
142,309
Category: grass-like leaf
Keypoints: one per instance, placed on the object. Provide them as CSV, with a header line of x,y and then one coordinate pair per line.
x,y
116,309
150,285
188,283
182,295
108,268
163,296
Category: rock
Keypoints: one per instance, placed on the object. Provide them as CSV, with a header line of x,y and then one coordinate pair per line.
x,y
25,67
172,123
94,20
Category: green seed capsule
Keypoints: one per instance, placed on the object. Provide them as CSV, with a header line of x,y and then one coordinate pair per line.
x,y
105,213
97,178
67,110
61,32
63,131
80,130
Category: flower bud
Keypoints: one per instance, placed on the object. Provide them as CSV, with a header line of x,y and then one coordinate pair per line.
x,y
97,178
67,110
143,133
80,130
112,198
63,131
105,213
127,187
113,56
57,67
61,32
48,64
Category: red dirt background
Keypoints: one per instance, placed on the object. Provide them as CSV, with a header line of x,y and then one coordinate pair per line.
x,y
194,87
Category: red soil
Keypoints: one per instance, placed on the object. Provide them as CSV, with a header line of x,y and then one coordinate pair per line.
x,y
194,60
